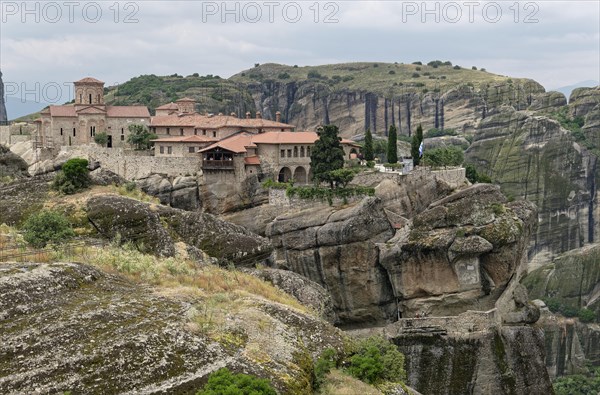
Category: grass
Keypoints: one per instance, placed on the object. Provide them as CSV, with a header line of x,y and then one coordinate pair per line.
x,y
339,383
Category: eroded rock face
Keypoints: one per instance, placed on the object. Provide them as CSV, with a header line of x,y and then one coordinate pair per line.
x,y
180,192
533,158
12,166
459,254
155,228
336,249
3,116
69,327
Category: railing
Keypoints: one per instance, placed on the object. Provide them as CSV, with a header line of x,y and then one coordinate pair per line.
x,y
217,164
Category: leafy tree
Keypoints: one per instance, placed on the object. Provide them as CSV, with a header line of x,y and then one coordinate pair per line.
x,y
392,148
441,157
101,138
342,176
45,227
416,143
368,148
375,360
586,315
327,155
140,137
73,177
223,382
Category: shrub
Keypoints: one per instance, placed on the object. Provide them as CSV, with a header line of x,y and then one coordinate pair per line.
x,y
440,157
377,360
283,76
416,75
101,138
391,72
47,227
223,382
74,176
433,132
325,363
586,315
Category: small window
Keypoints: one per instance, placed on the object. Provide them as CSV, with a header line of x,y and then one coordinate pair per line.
x,y
215,134
307,151
195,132
192,150
282,129
90,98
73,132
169,150
61,131
168,130
162,149
295,152
122,131
181,131
289,153
203,132
283,153
302,152
122,138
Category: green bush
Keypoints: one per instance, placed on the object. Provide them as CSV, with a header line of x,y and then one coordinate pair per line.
x,y
440,157
578,384
324,364
46,227
586,315
377,360
433,132
223,382
101,138
74,176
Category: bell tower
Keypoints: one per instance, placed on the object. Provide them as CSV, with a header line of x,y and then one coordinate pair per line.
x,y
89,92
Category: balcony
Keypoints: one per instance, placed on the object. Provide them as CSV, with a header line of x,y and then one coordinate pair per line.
x,y
217,164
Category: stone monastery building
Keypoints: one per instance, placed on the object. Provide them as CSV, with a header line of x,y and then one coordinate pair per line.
x,y
226,147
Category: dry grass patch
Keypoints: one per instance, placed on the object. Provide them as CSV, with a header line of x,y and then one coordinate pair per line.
x,y
339,383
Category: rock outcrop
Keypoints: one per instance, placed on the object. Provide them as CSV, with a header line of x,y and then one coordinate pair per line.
x,y
155,228
68,327
12,166
3,115
180,192
533,158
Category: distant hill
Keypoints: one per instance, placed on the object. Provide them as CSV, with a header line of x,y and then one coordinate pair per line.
x,y
566,90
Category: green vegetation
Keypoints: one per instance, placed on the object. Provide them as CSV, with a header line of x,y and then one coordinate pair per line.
x,y
73,177
578,384
320,193
555,305
417,139
433,132
475,177
140,137
47,227
368,148
342,177
223,382
327,155
373,360
392,147
101,138
442,157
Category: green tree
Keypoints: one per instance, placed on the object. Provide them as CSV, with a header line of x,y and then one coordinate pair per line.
x,y
392,148
101,138
140,137
415,145
45,227
73,177
375,360
342,177
327,155
442,157
368,148
223,382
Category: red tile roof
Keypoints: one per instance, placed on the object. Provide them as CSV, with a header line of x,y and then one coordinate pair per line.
x,y
186,99
89,80
236,143
214,122
186,139
127,112
252,160
169,106
111,111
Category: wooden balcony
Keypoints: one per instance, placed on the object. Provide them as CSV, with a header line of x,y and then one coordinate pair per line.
x,y
217,164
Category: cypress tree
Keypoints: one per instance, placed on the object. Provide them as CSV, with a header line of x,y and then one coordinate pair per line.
x,y
327,155
368,149
392,149
416,143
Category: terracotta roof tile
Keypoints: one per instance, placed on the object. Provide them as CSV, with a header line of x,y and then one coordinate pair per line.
x,y
236,143
62,111
90,110
169,106
89,80
215,121
127,112
252,160
186,139
186,99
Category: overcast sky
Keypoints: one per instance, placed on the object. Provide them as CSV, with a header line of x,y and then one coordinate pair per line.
x,y
556,43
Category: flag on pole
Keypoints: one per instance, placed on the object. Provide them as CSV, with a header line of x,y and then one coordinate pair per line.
x,y
421,150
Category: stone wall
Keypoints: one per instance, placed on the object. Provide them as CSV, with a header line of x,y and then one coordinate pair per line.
x,y
278,197
4,134
131,165
455,177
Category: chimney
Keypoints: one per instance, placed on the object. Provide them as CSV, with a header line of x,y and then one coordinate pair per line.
x,y
233,114
277,116
258,115
248,115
